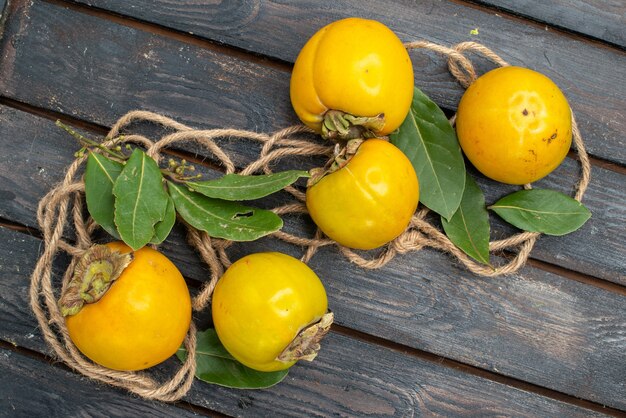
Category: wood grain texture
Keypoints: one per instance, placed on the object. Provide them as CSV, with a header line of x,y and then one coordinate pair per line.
x,y
126,69
349,377
600,19
117,68
533,326
33,388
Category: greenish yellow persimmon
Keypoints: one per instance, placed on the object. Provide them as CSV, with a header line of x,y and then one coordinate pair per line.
x,y
369,201
514,125
261,304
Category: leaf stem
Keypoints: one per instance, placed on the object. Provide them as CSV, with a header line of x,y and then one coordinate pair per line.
x,y
84,140
179,178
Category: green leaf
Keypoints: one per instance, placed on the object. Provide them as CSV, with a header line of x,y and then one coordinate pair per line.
x,y
241,187
540,210
215,365
428,139
221,218
468,228
162,229
100,175
140,200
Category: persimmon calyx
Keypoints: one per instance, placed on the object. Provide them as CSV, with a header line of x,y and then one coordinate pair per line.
x,y
306,345
93,275
341,126
342,156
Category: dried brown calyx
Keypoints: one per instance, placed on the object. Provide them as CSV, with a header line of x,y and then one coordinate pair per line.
x,y
306,345
94,274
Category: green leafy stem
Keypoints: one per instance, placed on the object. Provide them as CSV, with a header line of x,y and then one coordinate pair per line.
x,y
130,198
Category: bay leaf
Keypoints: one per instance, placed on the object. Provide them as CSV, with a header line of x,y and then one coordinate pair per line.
x,y
468,228
215,365
100,175
541,210
140,199
222,218
163,228
242,187
430,142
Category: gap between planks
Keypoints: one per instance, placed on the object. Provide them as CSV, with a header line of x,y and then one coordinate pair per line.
x,y
103,130
36,355
599,162
579,277
8,224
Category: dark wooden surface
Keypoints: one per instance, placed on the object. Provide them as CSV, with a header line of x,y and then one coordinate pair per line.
x,y
421,336
405,308
183,77
603,20
253,27
351,376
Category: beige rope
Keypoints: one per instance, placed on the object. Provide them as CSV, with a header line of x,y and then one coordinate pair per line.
x,y
64,203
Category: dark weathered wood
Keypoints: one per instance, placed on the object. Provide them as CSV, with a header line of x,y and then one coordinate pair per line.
x,y
423,300
601,19
117,68
532,326
598,249
2,5
32,388
127,69
350,377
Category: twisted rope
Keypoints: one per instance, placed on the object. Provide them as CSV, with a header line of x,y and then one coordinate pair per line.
x,y
54,213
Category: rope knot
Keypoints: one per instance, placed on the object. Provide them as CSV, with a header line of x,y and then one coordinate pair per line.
x,y
409,240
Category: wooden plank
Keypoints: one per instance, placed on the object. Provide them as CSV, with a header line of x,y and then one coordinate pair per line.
x,y
238,25
212,89
601,19
423,300
349,378
597,249
33,388
207,89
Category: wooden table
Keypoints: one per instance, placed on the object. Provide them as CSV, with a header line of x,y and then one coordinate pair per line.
x,y
421,336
